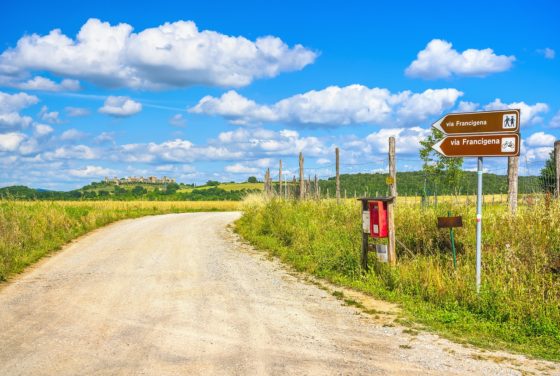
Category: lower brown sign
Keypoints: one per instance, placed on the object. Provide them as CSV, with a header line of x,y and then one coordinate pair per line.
x,y
490,145
447,222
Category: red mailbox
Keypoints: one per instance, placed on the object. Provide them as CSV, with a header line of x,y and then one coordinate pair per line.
x,y
378,219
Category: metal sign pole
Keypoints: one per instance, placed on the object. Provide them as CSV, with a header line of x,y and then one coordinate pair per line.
x,y
479,224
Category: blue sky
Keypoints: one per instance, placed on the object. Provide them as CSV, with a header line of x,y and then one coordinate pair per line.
x,y
222,90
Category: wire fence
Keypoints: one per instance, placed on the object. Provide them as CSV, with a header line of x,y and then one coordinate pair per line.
x,y
415,186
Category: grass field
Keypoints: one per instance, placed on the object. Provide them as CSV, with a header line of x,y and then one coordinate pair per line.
x,y
31,229
228,187
519,304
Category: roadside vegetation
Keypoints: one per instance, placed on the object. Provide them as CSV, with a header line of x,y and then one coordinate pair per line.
x,y
96,191
30,230
519,304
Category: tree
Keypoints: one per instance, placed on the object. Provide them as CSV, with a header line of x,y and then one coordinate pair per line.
x,y
548,174
172,188
138,190
212,183
252,179
438,168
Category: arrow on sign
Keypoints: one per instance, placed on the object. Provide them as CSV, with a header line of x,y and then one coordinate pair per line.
x,y
492,145
506,121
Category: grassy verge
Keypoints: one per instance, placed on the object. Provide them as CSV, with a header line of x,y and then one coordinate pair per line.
x,y
519,305
31,229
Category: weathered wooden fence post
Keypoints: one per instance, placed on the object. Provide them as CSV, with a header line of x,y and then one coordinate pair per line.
x,y
301,178
391,248
316,187
557,157
268,182
365,236
513,174
337,151
280,179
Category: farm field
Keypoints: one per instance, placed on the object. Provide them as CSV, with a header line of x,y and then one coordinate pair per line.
x,y
227,187
519,304
31,229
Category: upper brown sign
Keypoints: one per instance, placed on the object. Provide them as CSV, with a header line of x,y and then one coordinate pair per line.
x,y
484,145
506,121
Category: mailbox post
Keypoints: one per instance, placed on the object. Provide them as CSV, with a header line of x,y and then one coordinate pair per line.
x,y
375,217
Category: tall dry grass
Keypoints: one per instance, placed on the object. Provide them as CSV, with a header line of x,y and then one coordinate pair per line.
x,y
31,229
519,304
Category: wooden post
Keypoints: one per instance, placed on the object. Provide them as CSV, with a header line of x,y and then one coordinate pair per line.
x,y
391,247
513,173
301,179
337,152
308,187
364,256
280,179
268,182
557,157
316,187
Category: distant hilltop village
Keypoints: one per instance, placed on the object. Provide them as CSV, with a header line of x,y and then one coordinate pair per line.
x,y
135,180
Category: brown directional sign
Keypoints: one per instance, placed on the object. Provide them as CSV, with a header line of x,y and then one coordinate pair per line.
x,y
485,145
506,121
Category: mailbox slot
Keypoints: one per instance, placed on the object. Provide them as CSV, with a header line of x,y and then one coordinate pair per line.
x,y
378,219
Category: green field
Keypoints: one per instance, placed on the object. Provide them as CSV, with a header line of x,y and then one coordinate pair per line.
x,y
519,304
228,187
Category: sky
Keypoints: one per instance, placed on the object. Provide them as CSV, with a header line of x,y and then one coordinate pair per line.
x,y
222,90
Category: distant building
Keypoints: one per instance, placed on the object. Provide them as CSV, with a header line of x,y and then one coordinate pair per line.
x,y
139,180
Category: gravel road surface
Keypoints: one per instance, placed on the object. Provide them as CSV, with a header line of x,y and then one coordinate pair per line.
x,y
179,294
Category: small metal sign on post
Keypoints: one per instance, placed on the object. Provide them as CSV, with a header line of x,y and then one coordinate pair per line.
x,y
450,223
479,134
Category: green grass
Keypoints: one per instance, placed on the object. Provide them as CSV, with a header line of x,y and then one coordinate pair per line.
x,y
519,304
30,230
228,187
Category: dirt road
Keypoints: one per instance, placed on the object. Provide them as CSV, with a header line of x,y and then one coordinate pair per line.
x,y
179,295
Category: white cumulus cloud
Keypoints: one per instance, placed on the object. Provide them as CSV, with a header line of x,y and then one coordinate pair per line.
x,y
263,142
71,152
239,168
529,113
555,121
42,129
174,54
120,106
76,111
72,134
11,141
49,116
465,106
46,84
178,120
548,53
333,106
177,150
91,171
540,139
407,139
440,60
10,105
